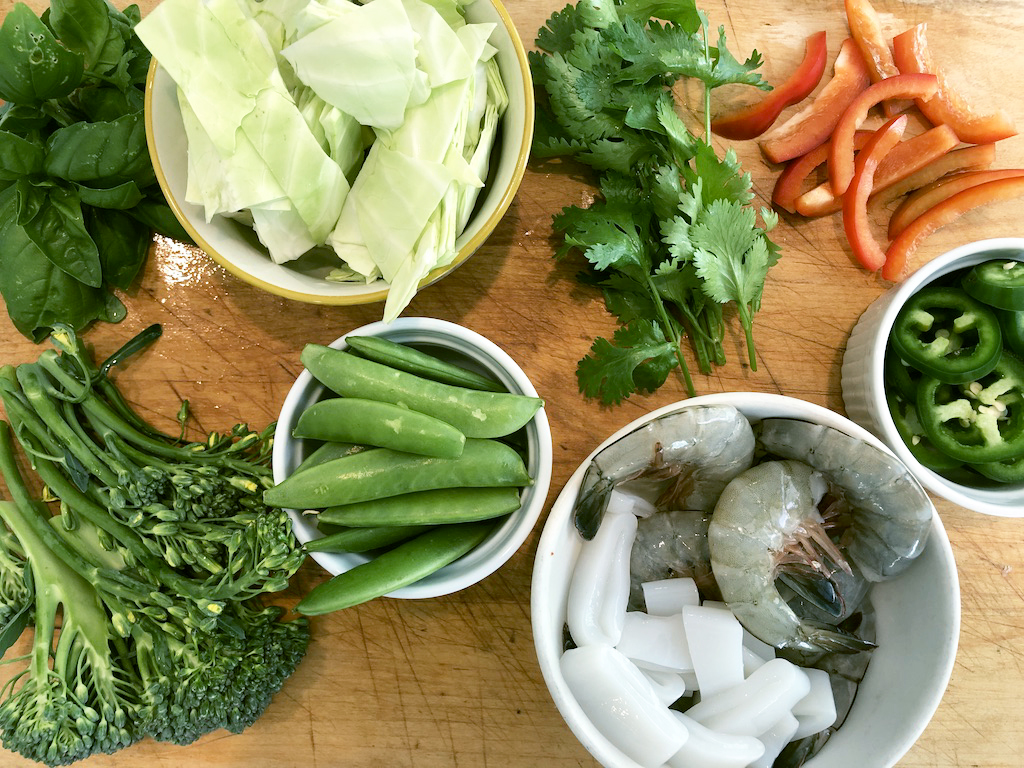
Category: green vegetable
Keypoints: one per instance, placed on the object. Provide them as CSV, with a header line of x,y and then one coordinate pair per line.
x,y
371,422
947,335
409,359
78,196
474,413
329,451
365,539
1012,326
979,423
998,283
443,506
382,472
673,238
411,84
405,564
155,562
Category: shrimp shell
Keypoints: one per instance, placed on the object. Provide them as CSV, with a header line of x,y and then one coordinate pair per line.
x,y
687,456
892,511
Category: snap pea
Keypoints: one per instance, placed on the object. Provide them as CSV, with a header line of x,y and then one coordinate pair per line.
x,y
474,413
406,564
328,451
415,361
441,506
383,472
372,422
365,539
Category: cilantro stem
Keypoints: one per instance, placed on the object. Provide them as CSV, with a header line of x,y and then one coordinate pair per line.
x,y
666,324
748,331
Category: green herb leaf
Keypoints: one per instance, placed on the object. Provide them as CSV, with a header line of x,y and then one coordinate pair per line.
x,y
33,65
57,227
84,26
638,359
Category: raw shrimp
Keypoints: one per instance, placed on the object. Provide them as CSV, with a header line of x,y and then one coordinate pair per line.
x,y
686,458
767,518
891,514
671,545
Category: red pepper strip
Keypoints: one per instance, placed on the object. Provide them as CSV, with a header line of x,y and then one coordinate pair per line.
x,y
855,201
942,214
969,158
947,106
750,122
866,28
907,158
840,159
812,125
934,193
791,180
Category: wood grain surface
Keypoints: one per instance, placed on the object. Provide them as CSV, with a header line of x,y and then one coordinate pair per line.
x,y
454,681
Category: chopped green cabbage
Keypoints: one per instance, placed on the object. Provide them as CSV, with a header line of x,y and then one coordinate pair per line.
x,y
366,128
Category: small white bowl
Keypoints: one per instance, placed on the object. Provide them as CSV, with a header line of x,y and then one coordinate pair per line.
x,y
918,617
465,347
237,248
863,369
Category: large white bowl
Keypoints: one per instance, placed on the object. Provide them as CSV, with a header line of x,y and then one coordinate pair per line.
x,y
463,346
236,247
918,618
863,371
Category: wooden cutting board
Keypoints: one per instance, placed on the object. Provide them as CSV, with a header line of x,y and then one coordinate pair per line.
x,y
454,681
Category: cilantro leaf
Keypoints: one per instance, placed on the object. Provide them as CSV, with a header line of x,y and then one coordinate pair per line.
x,y
733,258
638,359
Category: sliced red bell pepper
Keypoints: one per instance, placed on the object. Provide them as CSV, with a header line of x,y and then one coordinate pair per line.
x,y
812,125
969,158
947,106
855,201
790,182
840,159
750,122
934,193
939,215
866,28
906,159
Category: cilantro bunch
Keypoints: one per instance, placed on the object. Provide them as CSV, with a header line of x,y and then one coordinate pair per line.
x,y
673,238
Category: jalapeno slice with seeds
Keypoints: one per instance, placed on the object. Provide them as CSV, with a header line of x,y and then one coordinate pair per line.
x,y
947,335
1012,326
998,283
980,422
904,417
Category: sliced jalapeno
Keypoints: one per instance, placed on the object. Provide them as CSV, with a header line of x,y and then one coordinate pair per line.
x,y
947,335
1012,326
899,376
998,283
980,422
904,416
1006,471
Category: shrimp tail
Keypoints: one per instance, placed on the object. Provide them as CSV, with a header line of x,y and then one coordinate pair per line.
x,y
592,502
823,637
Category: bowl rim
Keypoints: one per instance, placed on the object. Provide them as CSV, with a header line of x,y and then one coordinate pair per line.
x,y
557,522
985,501
466,250
502,543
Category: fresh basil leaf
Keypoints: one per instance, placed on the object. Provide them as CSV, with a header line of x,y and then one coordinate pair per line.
x,y
37,293
19,157
120,197
33,65
57,227
84,26
159,218
113,310
30,200
111,151
23,120
123,243
106,103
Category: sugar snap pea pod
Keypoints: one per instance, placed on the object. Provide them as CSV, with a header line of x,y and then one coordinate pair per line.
x,y
383,472
412,360
386,425
365,539
328,451
474,413
439,506
406,564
